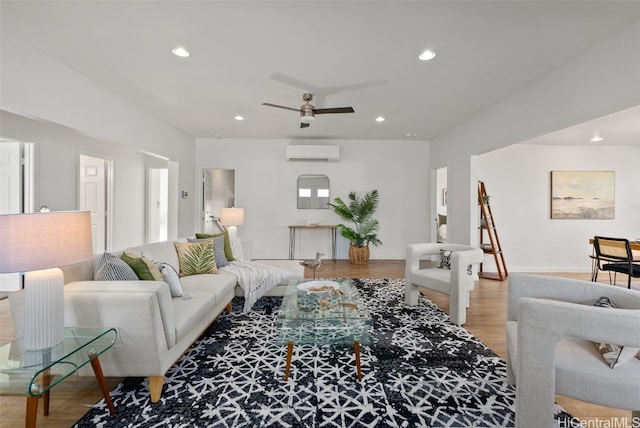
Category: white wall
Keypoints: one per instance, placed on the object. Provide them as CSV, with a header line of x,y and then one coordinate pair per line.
x,y
36,86
518,180
57,151
266,189
600,81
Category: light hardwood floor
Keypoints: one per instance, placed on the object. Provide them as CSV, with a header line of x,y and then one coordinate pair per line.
x,y
485,319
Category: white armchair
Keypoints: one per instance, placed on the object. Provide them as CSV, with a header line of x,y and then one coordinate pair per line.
x,y
551,324
456,282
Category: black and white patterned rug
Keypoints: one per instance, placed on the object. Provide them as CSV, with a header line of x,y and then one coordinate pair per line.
x,y
422,371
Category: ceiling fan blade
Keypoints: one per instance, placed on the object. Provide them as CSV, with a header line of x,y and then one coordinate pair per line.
x,y
277,106
334,110
304,125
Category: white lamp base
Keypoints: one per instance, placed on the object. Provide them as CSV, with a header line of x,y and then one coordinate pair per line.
x,y
43,309
233,232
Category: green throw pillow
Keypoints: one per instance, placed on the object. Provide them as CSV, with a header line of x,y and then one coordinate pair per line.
x,y
196,258
227,243
139,267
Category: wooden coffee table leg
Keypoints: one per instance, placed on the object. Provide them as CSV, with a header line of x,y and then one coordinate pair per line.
x,y
287,367
102,382
356,350
32,412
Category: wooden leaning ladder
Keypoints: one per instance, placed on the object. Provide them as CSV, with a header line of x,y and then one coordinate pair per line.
x,y
488,229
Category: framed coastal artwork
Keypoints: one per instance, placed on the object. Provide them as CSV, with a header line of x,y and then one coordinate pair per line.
x,y
582,194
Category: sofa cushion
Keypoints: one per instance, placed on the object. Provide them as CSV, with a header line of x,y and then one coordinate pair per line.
x,y
188,313
159,252
214,284
111,268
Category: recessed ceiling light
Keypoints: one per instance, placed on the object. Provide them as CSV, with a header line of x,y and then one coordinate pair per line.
x,y
238,117
380,119
410,135
596,139
427,55
180,51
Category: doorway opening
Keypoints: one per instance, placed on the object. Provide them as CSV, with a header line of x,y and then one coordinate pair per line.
x,y
157,204
441,204
218,191
17,196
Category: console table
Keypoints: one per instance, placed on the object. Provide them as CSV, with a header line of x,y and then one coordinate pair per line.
x,y
292,237
34,373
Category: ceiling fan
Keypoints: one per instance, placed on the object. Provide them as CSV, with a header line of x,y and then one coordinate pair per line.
x,y
308,111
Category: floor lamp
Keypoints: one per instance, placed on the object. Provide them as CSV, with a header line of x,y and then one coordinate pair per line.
x,y
37,244
232,217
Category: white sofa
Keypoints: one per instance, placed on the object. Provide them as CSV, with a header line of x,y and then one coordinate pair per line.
x,y
154,329
551,324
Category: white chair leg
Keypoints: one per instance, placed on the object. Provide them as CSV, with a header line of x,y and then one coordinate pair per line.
x,y
411,294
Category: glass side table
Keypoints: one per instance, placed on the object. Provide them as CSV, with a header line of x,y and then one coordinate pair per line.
x,y
34,373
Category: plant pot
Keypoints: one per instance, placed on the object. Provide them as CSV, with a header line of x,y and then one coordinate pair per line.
x,y
359,255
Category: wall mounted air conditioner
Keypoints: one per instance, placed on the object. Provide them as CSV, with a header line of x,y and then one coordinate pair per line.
x,y
324,153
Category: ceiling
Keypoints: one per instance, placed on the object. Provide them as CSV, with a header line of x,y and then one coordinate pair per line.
x,y
347,53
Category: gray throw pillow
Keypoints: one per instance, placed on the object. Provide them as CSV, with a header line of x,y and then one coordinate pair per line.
x,y
112,268
218,252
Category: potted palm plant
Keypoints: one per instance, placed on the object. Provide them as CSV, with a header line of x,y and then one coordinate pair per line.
x,y
359,211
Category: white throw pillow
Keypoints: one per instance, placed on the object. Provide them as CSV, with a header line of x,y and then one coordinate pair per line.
x,y
171,277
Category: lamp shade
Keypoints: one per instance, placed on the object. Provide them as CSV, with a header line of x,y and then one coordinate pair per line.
x,y
38,241
232,216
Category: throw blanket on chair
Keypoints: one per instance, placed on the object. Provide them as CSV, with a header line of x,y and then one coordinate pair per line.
x,y
256,279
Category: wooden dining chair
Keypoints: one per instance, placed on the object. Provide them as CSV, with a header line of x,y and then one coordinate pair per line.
x,y
614,255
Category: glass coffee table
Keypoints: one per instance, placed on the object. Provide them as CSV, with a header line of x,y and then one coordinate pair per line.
x,y
34,373
324,312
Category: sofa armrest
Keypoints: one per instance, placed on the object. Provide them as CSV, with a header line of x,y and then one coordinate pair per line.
x,y
144,304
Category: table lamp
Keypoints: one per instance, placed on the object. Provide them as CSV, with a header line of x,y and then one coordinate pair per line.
x,y
232,217
37,244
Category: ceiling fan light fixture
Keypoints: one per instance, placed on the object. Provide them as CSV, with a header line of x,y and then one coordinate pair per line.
x,y
180,51
306,117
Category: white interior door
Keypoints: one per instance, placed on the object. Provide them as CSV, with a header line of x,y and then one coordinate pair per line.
x,y
93,197
10,197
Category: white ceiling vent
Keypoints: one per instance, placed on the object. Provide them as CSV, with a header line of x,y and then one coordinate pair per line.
x,y
323,153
